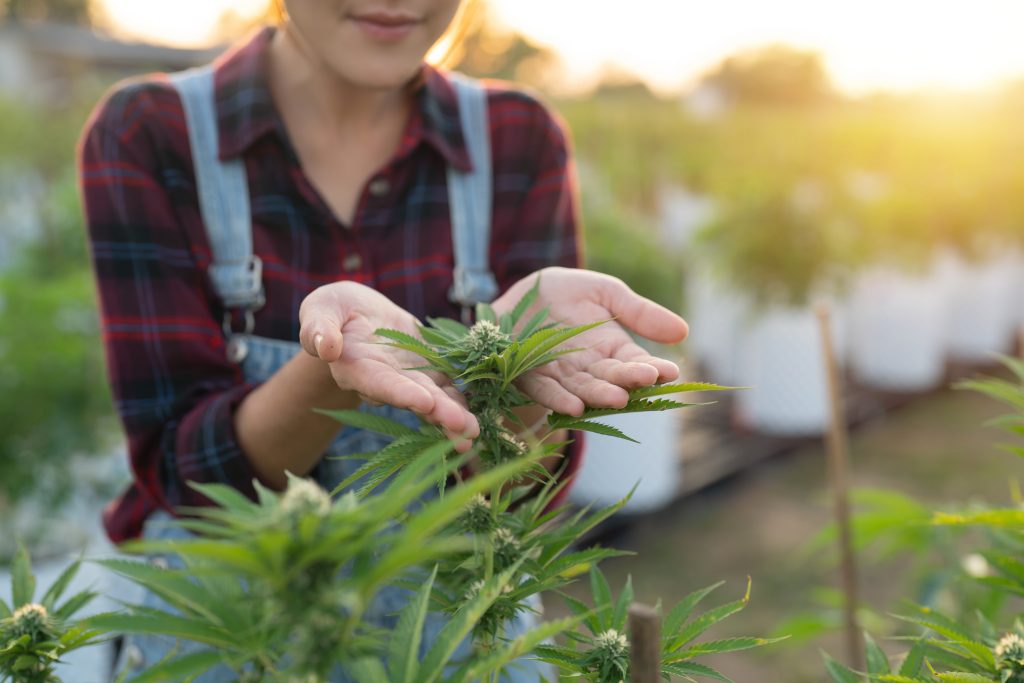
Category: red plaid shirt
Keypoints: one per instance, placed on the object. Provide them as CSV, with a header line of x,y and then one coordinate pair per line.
x,y
174,389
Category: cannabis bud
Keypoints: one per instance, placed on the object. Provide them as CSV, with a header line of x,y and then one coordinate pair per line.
x,y
612,642
305,496
609,657
31,620
506,548
483,339
1010,658
477,519
486,337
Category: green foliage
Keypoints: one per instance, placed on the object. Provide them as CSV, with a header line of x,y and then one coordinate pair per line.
x,y
278,589
601,653
985,643
34,636
54,399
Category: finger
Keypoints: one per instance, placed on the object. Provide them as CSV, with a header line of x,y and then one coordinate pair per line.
x,y
626,374
595,392
447,413
645,317
667,370
320,329
384,384
550,394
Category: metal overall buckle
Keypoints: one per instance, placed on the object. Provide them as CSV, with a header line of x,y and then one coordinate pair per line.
x,y
237,346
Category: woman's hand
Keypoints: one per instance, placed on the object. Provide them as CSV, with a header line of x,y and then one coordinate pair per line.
x,y
610,363
337,325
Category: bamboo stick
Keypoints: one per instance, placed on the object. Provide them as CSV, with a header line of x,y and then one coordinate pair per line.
x,y
838,459
644,644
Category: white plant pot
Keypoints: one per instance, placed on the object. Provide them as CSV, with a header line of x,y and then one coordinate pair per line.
x,y
983,298
612,466
897,330
783,363
716,313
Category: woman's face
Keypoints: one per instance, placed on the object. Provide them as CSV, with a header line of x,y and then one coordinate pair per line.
x,y
371,43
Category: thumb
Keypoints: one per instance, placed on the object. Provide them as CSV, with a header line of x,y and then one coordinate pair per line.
x,y
643,316
320,330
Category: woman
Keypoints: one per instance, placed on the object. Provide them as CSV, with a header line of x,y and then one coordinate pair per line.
x,y
318,209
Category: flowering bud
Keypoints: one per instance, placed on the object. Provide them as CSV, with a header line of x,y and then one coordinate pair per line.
x,y
305,496
31,620
1009,653
477,519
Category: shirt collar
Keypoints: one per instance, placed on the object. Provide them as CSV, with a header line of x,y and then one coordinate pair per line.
x,y
246,111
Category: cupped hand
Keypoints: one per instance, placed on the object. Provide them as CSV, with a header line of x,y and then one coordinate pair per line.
x,y
337,324
610,362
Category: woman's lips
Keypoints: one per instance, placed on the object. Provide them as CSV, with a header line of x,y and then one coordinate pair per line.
x,y
384,26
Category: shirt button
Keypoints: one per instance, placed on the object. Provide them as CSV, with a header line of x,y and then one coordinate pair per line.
x,y
352,263
380,187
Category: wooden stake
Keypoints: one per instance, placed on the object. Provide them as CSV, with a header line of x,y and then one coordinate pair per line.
x,y
838,474
644,644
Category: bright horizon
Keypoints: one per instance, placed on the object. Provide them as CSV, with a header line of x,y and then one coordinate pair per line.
x,y
868,45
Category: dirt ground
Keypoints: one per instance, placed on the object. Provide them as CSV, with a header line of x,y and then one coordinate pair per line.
x,y
758,524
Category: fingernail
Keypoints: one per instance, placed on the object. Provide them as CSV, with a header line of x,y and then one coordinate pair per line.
x,y
317,338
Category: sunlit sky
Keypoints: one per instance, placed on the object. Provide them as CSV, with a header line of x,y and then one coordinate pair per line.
x,y
867,44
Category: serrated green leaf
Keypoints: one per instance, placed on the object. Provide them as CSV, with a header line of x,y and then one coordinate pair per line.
x,y
841,673
690,669
484,311
404,643
175,587
596,428
167,624
452,329
681,612
677,388
602,595
713,647
622,604
539,343
73,604
370,421
460,625
179,669
57,588
23,581
524,303
536,320
708,619
877,660
521,646
963,677
562,657
934,621
5,609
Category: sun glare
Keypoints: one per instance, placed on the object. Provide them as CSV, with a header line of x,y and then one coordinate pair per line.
x,y
869,44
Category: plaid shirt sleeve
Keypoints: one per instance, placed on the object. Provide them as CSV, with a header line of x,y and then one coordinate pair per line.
x,y
173,388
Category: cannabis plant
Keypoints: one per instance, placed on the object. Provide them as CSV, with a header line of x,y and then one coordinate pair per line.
x,y
987,645
34,636
281,589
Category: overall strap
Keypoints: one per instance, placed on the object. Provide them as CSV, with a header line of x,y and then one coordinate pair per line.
x,y
469,196
223,193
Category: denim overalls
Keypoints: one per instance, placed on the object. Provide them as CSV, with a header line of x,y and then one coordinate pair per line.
x,y
235,273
